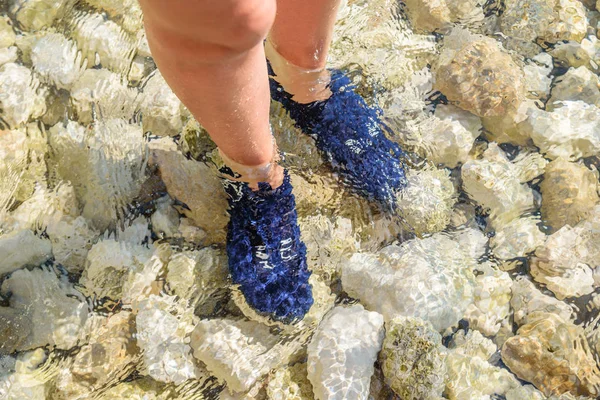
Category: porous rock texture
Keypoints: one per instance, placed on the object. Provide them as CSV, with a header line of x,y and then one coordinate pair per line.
x,y
412,359
342,353
554,355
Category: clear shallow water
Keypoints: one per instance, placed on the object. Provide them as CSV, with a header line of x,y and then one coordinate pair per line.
x,y
114,239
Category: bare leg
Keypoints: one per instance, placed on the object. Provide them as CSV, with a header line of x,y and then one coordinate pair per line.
x,y
211,54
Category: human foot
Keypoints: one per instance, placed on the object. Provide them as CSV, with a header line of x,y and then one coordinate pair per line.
x,y
350,135
267,258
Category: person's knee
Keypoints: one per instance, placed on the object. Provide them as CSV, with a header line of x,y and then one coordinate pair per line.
x,y
250,23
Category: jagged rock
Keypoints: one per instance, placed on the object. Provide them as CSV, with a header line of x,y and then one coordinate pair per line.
x,y
108,263
160,108
517,238
57,310
508,128
527,392
498,184
56,212
340,360
537,75
491,300
550,20
163,323
198,275
8,55
110,355
578,84
139,389
427,278
290,383
565,261
106,166
426,202
19,249
526,300
128,12
205,198
431,15
27,378
569,193
104,92
554,355
412,359
570,131
459,75
470,375
56,59
21,98
102,41
236,352
35,15
140,284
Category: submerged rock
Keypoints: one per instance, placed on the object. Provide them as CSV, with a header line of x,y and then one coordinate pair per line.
x,y
517,238
426,202
470,375
35,15
289,383
412,359
428,278
342,352
15,329
27,378
55,308
571,131
569,193
578,84
19,249
21,97
474,72
554,355
56,59
127,12
528,300
160,108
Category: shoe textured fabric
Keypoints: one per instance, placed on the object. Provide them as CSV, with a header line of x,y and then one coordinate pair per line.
x,y
267,258
350,135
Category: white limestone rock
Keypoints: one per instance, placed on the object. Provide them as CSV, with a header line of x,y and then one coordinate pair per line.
x,y
165,220
445,141
57,60
108,263
8,55
496,184
427,278
23,248
103,42
21,97
35,15
57,310
57,213
289,383
578,84
517,238
492,294
141,283
412,359
527,299
161,109
106,166
26,379
470,375
235,351
426,202
163,323
526,392
508,128
103,92
537,75
565,261
571,131
342,353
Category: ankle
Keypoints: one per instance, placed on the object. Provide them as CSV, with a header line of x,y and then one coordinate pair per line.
x,y
270,172
305,85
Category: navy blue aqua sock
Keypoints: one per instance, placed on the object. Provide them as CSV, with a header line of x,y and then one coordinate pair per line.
x,y
267,258
349,133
